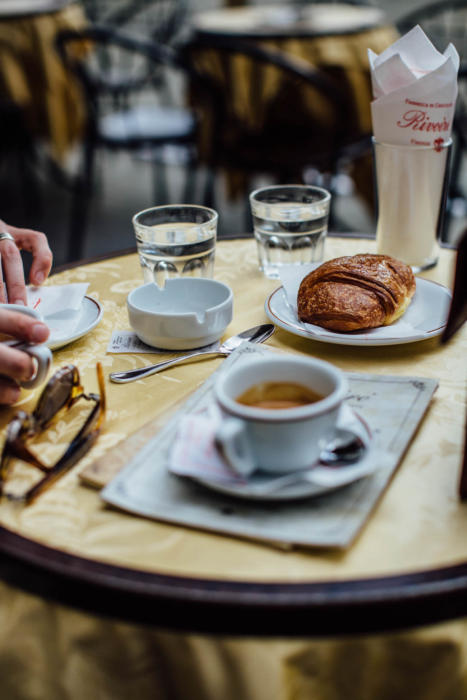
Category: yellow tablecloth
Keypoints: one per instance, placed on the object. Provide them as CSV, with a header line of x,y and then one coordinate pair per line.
x,y
47,651
32,76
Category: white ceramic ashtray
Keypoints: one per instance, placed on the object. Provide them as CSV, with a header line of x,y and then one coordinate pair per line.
x,y
188,312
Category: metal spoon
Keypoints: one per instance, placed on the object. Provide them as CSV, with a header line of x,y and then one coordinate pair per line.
x,y
258,334
344,449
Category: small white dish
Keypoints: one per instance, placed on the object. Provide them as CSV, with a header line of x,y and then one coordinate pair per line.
x,y
188,312
425,318
90,315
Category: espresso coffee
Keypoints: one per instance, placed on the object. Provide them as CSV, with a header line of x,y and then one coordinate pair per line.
x,y
278,395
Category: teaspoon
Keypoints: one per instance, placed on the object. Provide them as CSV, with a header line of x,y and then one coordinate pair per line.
x,y
257,334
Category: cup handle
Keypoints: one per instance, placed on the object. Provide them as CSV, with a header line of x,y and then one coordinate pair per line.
x,y
232,440
42,359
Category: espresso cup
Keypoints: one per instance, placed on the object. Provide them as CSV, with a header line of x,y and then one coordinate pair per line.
x,y
41,354
279,412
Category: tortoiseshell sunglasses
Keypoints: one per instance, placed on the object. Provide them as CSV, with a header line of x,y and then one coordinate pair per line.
x,y
61,391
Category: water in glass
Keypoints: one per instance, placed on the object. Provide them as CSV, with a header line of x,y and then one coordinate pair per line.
x,y
176,249
289,233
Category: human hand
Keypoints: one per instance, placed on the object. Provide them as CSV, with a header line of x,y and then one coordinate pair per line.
x,y
15,365
12,285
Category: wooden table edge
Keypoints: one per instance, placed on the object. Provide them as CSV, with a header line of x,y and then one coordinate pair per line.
x,y
213,606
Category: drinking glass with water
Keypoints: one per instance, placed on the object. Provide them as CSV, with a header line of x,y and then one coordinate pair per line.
x,y
290,225
176,240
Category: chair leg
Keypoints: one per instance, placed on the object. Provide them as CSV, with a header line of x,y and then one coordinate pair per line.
x,y
81,199
190,182
209,196
30,191
160,188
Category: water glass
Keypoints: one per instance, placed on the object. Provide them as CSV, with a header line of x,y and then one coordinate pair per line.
x,y
290,225
411,185
176,240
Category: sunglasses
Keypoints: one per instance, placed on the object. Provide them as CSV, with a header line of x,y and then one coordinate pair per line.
x,y
62,390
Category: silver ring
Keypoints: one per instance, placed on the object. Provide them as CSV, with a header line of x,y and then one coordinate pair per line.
x,y
5,236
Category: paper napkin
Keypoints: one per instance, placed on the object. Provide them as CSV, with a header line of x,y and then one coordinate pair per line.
x,y
59,305
127,342
415,90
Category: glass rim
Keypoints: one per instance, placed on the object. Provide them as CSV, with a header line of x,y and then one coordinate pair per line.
x,y
162,207
411,146
315,188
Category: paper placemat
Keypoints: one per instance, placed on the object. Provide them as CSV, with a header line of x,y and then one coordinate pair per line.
x,y
393,407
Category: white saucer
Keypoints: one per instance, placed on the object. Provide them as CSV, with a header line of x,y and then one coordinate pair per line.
x,y
90,315
323,479
252,489
425,318
247,491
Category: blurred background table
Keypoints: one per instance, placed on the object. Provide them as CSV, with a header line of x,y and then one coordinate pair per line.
x,y
171,612
263,122
288,20
36,93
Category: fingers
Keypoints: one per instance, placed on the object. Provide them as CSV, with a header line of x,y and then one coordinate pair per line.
x,y
22,327
13,289
35,243
15,366
9,391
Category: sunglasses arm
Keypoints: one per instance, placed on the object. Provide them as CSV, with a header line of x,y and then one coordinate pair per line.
x,y
73,454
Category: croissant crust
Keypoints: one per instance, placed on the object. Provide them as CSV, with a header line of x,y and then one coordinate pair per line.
x,y
356,292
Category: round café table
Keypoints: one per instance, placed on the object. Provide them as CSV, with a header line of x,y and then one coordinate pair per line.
x,y
31,8
92,597
287,20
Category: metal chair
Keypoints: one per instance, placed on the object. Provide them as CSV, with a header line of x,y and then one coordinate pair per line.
x,y
159,20
18,160
443,21
151,19
123,110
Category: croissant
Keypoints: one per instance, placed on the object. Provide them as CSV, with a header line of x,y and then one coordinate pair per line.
x,y
356,292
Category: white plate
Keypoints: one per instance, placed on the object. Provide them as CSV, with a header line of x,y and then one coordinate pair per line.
x,y
90,315
425,318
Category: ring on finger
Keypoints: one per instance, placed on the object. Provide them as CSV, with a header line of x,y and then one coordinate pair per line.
x,y
5,236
